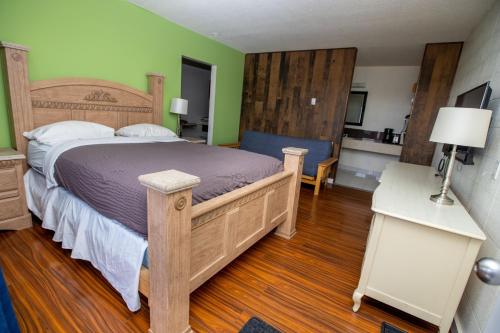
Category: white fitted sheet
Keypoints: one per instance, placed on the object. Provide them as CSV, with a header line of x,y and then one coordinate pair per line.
x,y
36,154
116,251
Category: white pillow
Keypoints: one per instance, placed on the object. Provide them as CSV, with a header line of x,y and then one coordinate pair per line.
x,y
69,130
143,130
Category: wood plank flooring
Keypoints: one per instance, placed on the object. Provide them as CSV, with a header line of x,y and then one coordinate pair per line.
x,y
302,285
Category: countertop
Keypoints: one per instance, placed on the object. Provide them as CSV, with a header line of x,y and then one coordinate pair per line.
x,y
371,146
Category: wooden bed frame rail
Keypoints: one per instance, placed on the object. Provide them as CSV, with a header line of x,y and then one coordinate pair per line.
x,y
186,244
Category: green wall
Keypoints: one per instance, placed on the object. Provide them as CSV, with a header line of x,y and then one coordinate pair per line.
x,y
118,41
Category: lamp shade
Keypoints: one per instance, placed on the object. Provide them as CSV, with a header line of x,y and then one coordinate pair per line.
x,y
179,106
461,126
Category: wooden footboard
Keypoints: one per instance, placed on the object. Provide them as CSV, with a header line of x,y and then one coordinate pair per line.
x,y
188,245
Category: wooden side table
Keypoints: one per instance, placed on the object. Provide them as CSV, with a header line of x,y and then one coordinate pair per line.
x,y
14,214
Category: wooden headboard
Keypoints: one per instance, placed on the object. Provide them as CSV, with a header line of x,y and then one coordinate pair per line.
x,y
33,104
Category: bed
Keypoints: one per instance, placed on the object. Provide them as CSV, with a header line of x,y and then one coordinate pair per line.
x,y
186,244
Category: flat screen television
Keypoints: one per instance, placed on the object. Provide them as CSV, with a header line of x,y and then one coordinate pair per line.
x,y
478,98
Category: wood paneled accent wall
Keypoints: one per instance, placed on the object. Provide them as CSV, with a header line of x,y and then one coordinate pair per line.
x,y
437,72
278,88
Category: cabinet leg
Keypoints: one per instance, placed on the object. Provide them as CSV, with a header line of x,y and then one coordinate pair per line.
x,y
356,297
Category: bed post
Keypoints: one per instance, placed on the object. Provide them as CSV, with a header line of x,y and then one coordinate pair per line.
x,y
155,88
294,161
169,248
15,61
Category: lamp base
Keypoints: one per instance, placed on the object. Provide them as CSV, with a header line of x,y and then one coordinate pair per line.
x,y
178,131
442,199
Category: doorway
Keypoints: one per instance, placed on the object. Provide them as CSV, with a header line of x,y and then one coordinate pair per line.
x,y
198,88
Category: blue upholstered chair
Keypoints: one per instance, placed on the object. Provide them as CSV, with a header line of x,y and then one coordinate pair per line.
x,y
317,163
8,321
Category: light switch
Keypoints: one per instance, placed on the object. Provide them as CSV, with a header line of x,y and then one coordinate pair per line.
x,y
313,101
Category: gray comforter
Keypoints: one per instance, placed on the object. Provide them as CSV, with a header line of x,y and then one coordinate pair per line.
x,y
105,176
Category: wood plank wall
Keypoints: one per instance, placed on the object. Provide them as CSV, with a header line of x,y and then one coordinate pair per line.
x,y
437,72
278,88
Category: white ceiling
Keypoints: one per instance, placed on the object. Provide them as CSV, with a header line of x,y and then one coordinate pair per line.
x,y
386,32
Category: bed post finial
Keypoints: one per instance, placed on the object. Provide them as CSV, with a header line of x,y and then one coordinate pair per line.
x,y
15,58
294,161
155,88
169,249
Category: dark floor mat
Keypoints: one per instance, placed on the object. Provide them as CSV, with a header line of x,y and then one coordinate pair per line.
x,y
256,325
388,328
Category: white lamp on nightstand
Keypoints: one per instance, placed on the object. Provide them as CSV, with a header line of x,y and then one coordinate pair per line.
x,y
462,127
179,107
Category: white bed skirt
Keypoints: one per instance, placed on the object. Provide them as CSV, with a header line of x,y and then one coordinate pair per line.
x,y
116,251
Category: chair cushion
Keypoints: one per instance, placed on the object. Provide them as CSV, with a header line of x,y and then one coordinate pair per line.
x,y
271,145
8,321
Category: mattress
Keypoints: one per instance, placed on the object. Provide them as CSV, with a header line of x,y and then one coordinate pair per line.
x,y
105,176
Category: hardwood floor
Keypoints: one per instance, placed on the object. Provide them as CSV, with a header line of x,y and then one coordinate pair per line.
x,y
302,285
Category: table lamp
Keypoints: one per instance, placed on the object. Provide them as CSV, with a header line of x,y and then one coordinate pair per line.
x,y
458,126
179,107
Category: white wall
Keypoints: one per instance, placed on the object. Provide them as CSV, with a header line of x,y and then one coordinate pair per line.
x,y
474,185
389,96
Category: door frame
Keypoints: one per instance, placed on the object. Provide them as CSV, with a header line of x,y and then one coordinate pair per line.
x,y
211,101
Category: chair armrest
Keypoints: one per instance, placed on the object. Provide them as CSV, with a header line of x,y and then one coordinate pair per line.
x,y
328,162
230,145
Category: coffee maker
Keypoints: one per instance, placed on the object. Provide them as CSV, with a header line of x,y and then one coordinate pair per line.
x,y
388,135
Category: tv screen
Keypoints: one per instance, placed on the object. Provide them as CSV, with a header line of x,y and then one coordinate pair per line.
x,y
475,98
478,98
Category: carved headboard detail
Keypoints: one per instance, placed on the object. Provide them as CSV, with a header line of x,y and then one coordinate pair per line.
x,y
34,104
105,102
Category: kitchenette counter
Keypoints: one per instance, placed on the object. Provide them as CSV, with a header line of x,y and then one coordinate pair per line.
x,y
371,146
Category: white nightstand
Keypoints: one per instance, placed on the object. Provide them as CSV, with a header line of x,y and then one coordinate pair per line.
x,y
14,214
194,140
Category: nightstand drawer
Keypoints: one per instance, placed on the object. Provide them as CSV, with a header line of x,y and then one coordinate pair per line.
x,y
14,214
8,179
10,208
